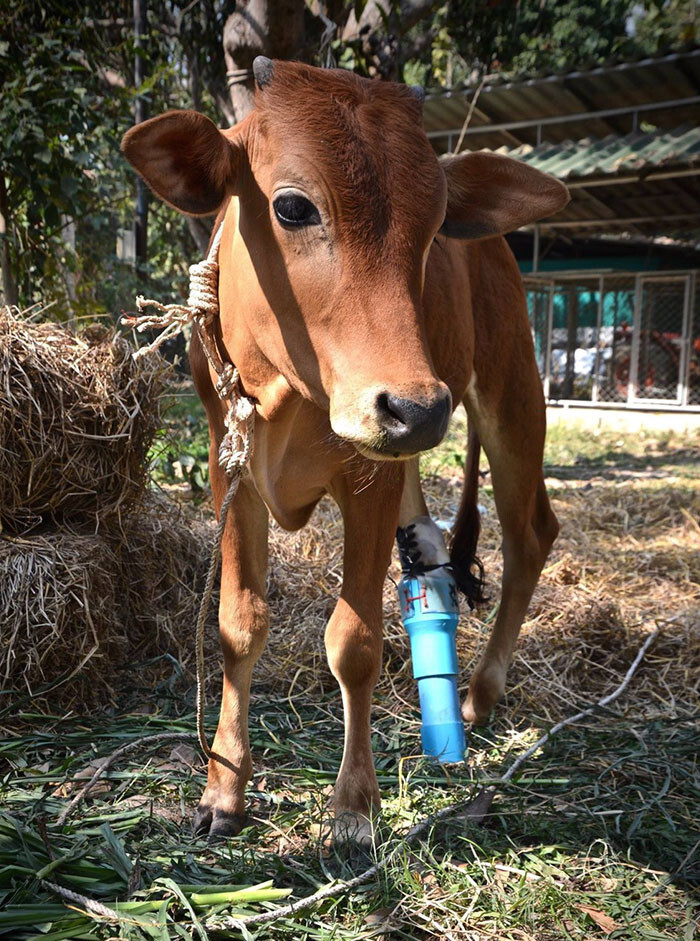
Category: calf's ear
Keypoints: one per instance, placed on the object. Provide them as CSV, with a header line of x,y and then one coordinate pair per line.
x,y
488,194
185,159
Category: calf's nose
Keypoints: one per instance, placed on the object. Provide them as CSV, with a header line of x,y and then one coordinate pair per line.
x,y
410,425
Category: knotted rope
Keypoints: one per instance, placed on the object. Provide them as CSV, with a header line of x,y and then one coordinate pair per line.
x,y
202,304
238,76
202,309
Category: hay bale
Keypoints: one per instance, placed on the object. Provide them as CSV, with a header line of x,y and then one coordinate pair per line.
x,y
164,553
60,615
77,608
77,418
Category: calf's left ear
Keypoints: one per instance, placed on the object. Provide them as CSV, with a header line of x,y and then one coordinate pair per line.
x,y
185,159
488,194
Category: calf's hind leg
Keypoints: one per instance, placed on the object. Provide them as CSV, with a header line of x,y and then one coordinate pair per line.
x,y
514,446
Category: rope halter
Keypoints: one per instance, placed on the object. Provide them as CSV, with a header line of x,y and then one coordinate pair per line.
x,y
202,309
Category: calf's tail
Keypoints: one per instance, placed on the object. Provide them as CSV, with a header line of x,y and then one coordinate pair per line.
x,y
467,568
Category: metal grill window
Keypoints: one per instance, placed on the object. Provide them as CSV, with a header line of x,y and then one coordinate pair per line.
x,y
617,338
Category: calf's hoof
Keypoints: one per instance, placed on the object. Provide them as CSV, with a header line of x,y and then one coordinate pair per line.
x,y
349,827
216,824
485,690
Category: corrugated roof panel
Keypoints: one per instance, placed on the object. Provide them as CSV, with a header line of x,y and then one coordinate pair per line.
x,y
577,92
613,172
688,56
613,154
451,113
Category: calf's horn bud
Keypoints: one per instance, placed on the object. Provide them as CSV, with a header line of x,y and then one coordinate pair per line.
x,y
262,70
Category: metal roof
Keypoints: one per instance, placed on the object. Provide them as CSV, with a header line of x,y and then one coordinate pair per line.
x,y
624,136
614,155
611,98
648,183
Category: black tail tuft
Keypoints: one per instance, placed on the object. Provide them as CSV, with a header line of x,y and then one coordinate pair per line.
x,y
467,568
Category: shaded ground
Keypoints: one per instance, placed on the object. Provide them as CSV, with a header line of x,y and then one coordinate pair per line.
x,y
597,837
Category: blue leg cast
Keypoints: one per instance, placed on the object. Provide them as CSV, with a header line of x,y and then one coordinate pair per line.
x,y
430,613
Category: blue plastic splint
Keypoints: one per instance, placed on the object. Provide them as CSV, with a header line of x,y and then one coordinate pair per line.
x,y
430,614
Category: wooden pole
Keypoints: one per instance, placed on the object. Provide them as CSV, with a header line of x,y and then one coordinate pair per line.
x,y
140,114
9,286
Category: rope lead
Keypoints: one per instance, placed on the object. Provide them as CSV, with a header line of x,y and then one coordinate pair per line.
x,y
202,309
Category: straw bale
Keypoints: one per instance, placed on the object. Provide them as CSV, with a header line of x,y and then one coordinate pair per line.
x,y
85,610
60,613
77,418
163,552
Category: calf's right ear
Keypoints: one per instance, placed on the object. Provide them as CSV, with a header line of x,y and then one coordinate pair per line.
x,y
185,159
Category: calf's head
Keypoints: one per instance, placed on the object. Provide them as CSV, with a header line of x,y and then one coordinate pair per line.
x,y
339,197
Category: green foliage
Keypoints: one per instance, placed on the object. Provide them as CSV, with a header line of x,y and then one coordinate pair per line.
x,y
60,119
662,24
182,453
474,38
68,96
67,100
470,39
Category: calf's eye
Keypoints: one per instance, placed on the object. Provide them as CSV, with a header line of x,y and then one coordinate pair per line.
x,y
294,211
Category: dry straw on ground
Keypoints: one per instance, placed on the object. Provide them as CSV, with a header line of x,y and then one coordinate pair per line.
x,y
627,561
77,417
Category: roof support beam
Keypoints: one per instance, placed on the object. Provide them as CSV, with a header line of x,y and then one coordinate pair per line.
x,y
606,222
606,211
585,183
568,118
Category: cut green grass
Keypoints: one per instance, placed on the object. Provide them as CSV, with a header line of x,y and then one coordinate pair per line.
x,y
597,836
598,829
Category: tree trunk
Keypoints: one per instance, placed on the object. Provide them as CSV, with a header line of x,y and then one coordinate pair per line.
x,y
195,82
9,285
200,230
273,28
379,31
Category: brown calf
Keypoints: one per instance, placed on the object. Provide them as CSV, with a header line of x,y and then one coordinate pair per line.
x,y
364,291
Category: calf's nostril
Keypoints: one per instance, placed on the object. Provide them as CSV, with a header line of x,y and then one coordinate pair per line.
x,y
390,407
410,425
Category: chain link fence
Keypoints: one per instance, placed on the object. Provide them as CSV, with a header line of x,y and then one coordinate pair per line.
x,y
617,338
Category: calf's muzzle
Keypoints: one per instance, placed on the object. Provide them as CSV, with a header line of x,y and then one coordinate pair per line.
x,y
412,425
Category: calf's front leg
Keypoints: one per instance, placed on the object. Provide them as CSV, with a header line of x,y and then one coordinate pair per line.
x,y
243,624
354,641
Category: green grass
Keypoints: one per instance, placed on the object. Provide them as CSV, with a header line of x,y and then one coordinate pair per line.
x,y
609,449
180,453
603,819
570,445
597,837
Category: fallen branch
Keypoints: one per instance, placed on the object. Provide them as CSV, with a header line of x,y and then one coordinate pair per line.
x,y
605,701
